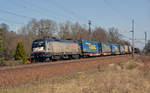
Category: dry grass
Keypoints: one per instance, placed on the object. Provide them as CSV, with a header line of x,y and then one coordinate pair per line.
x,y
129,77
12,76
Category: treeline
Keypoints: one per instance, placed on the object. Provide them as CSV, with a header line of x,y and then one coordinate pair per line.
x,y
147,48
49,28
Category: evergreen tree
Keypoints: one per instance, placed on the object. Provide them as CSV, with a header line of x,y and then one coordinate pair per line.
x,y
1,48
1,42
20,53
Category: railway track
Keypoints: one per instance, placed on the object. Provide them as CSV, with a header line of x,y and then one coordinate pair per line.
x,y
18,75
34,65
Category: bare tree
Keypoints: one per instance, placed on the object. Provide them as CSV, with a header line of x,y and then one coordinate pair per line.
x,y
79,32
113,35
72,31
64,32
99,35
42,28
76,31
46,28
124,42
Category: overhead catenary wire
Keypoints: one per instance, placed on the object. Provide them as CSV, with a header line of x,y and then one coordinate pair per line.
x,y
25,6
115,10
15,14
35,6
10,21
18,15
126,17
47,11
119,13
68,11
44,8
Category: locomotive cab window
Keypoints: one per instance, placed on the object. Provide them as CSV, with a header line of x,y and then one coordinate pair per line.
x,y
38,44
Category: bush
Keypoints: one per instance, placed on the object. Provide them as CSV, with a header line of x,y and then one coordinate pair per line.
x,y
130,65
20,53
2,62
1,48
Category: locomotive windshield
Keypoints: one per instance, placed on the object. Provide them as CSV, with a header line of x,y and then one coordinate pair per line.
x,y
39,43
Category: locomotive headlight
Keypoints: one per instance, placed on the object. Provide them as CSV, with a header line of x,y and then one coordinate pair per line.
x,y
38,49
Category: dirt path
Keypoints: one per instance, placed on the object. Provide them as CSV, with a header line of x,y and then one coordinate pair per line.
x,y
13,76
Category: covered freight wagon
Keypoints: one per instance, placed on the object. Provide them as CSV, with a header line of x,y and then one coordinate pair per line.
x,y
129,49
122,49
115,48
105,48
89,48
126,49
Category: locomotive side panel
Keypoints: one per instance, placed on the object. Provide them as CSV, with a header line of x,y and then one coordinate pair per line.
x,y
63,48
122,49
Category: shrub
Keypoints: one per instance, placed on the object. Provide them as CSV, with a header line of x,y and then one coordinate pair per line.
x,y
2,62
20,53
1,48
130,65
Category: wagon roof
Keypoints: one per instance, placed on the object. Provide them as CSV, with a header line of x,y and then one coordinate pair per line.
x,y
51,39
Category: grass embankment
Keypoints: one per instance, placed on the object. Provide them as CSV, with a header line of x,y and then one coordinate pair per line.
x,y
14,63
130,77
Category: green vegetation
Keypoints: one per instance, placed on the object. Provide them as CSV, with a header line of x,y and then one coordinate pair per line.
x,y
1,41
1,48
2,62
20,53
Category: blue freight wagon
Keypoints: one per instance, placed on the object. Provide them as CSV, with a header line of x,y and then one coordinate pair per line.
x,y
105,48
115,48
89,48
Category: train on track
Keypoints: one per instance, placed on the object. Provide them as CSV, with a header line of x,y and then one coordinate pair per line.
x,y
48,49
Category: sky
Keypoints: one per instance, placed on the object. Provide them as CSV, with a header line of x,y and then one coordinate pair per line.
x,y
104,13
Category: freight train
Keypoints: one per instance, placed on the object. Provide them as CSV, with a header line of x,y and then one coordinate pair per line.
x,y
47,49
